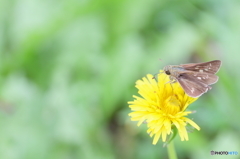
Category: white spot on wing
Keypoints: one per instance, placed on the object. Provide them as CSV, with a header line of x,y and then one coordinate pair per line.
x,y
200,70
192,90
199,78
206,69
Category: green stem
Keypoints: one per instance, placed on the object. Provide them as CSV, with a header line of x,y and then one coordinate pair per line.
x,y
171,151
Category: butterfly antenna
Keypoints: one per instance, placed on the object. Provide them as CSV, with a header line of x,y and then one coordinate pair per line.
x,y
154,76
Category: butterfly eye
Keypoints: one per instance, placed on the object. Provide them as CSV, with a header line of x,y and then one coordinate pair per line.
x,y
167,72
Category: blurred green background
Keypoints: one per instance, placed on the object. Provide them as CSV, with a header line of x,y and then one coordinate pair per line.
x,y
68,69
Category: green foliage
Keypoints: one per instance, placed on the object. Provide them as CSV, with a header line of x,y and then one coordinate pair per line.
x,y
68,68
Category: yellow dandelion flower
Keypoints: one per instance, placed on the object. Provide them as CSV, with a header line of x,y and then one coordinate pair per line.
x,y
162,106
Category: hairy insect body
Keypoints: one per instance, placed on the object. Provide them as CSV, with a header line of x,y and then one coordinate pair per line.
x,y
174,71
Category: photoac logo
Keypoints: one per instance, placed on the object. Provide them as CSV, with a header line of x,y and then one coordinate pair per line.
x,y
224,153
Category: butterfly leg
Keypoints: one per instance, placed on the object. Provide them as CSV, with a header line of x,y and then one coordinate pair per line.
x,y
154,76
172,80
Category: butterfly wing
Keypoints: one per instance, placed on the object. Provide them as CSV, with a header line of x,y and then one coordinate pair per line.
x,y
194,86
202,77
210,67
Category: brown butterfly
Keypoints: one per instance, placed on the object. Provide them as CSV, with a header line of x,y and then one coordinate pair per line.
x,y
194,78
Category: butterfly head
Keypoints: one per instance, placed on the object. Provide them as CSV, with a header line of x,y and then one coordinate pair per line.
x,y
167,69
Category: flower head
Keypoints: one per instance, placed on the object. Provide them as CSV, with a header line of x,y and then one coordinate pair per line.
x,y
162,106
